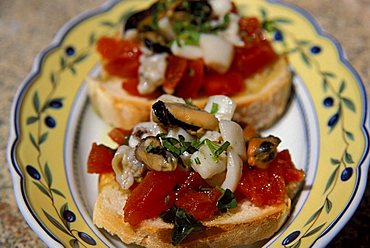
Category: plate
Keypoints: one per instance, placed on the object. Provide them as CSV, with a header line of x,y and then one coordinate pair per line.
x,y
53,125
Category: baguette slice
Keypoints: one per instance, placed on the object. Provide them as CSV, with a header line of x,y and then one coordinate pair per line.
x,y
260,105
243,225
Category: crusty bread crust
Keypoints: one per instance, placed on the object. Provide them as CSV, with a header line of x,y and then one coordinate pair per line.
x,y
243,225
260,105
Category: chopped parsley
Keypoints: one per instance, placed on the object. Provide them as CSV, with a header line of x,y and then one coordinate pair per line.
x,y
216,149
214,108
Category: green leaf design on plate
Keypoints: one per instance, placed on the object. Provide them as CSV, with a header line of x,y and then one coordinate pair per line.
x,y
281,20
330,181
348,157
81,58
342,87
349,135
263,13
328,74
92,39
33,141
53,79
63,63
55,222
74,243
313,231
73,70
305,59
334,161
58,192
42,189
325,84
43,138
108,24
49,177
349,104
32,119
314,216
328,205
297,245
36,102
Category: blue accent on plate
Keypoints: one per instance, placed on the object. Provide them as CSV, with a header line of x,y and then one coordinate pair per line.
x,y
69,216
56,104
33,172
346,174
87,238
50,122
278,36
328,101
70,51
333,120
315,49
291,237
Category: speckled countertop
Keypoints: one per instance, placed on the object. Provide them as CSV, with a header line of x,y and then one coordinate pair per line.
x,y
28,26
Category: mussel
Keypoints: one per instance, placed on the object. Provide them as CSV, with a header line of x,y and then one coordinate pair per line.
x,y
186,116
151,153
261,151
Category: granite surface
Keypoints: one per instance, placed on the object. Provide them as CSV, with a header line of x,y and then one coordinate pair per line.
x,y
28,26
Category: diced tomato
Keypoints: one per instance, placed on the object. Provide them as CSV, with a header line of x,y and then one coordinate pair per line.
x,y
100,159
192,80
250,26
201,205
112,48
119,135
282,165
176,67
152,196
193,181
257,51
228,84
123,67
268,186
121,57
130,85
261,188
249,60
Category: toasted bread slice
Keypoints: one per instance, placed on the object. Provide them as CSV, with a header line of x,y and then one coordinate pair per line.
x,y
260,105
243,225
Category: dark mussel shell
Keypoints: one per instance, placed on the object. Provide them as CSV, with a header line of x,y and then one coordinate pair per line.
x,y
134,20
156,47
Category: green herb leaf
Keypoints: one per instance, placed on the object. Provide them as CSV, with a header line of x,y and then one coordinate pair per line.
x,y
184,225
226,201
214,108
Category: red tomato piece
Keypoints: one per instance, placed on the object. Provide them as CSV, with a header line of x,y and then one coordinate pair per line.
x,y
151,197
228,84
250,26
176,67
268,186
121,57
261,188
192,80
119,135
123,67
193,181
250,59
112,48
100,159
201,205
283,166
130,85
